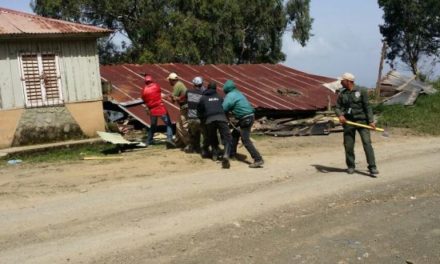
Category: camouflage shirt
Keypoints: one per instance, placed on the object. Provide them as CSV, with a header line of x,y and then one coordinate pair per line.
x,y
354,106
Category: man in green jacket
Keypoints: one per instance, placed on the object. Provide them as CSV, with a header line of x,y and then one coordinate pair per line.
x,y
352,105
242,110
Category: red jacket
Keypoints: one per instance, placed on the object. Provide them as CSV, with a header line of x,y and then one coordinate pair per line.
x,y
151,94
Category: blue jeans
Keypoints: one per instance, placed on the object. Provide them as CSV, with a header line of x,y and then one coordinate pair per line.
x,y
153,120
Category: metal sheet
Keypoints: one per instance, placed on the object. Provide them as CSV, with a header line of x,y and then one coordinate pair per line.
x,y
19,23
267,86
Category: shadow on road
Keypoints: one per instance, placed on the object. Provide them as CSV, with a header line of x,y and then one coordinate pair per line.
x,y
326,169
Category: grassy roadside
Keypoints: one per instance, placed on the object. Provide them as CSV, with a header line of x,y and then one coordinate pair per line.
x,y
72,153
422,118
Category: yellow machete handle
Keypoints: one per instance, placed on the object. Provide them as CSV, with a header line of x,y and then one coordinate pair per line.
x,y
360,125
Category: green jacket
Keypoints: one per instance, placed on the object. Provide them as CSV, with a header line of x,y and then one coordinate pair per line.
x,y
235,101
354,106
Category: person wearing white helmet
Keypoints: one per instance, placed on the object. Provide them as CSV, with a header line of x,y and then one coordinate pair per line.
x,y
179,96
352,105
196,128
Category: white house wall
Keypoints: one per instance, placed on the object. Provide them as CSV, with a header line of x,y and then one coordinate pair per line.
x,y
78,63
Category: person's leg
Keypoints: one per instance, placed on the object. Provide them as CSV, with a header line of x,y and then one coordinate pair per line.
x,y
245,132
197,135
227,142
368,148
182,137
153,124
235,138
211,132
167,121
206,140
349,139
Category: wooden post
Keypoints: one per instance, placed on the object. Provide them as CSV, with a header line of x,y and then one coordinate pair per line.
x,y
379,77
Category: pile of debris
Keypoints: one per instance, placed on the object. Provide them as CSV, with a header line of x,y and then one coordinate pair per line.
x,y
400,89
321,124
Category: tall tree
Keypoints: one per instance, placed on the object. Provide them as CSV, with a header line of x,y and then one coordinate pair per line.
x,y
191,31
411,30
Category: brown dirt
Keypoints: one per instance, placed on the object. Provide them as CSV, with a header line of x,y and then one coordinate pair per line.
x,y
158,206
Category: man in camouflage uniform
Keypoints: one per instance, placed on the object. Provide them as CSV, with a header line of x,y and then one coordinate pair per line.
x,y
352,105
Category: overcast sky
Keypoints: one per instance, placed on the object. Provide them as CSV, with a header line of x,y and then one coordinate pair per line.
x,y
346,39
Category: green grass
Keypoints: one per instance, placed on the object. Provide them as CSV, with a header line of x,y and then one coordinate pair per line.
x,y
423,117
72,153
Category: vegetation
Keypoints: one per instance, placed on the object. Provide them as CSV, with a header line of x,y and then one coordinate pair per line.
x,y
203,31
411,30
73,153
423,117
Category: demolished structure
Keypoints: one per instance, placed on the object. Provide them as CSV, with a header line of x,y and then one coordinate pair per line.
x,y
275,91
401,89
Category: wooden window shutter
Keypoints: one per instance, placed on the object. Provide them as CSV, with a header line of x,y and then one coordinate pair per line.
x,y
50,78
32,80
41,80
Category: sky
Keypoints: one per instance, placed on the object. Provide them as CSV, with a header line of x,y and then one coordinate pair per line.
x,y
346,39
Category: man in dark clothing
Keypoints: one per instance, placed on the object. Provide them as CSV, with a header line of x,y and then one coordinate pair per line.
x,y
211,111
242,110
352,105
195,127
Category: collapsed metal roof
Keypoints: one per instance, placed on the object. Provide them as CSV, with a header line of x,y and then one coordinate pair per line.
x,y
15,23
403,89
268,87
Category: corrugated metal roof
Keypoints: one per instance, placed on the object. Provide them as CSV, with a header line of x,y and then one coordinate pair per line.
x,y
17,23
405,89
267,86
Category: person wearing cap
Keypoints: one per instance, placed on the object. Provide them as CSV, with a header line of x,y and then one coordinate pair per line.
x,y
196,128
152,97
211,112
352,105
236,103
179,96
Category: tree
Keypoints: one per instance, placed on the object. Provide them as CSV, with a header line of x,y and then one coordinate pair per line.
x,y
411,30
191,31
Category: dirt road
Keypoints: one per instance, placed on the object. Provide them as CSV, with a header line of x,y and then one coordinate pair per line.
x,y
158,206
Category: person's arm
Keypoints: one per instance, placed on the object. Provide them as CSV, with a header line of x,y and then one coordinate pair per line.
x,y
228,103
339,110
367,108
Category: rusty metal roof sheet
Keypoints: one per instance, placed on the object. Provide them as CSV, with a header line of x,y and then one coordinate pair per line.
x,y
267,86
15,23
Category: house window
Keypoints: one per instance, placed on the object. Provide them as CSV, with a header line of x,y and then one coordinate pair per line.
x,y
41,79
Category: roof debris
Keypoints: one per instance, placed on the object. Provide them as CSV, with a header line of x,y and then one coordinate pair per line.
x,y
403,89
269,88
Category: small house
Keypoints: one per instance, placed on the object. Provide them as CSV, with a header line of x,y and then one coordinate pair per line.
x,y
50,83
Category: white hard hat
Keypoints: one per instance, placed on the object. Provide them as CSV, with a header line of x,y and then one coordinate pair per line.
x,y
347,76
197,81
173,76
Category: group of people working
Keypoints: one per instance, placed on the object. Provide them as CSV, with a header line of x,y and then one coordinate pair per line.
x,y
204,114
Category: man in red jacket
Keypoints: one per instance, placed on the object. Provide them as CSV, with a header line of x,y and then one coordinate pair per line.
x,y
152,97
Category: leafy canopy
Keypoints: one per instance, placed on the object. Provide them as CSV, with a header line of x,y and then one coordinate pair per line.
x,y
190,31
411,30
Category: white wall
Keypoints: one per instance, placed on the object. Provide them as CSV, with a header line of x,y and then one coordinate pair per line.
x,y
78,63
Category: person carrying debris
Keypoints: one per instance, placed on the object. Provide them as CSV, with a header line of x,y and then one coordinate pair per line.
x,y
211,112
179,96
242,110
352,105
152,97
197,128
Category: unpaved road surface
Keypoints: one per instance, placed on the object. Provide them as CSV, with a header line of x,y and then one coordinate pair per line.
x,y
158,206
